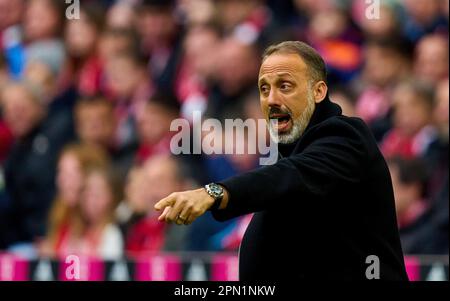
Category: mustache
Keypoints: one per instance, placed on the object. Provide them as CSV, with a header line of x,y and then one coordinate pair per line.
x,y
279,110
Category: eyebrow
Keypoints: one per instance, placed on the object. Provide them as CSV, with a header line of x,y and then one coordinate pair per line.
x,y
280,74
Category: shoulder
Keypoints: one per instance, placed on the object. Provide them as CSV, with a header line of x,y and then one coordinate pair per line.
x,y
111,245
342,127
112,231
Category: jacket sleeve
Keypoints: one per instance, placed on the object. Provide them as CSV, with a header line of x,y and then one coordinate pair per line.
x,y
336,157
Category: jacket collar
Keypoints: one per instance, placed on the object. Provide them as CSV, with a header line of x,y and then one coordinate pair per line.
x,y
324,110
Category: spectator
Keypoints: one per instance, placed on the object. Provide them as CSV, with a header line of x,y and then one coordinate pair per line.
x,y
31,163
386,63
95,124
11,35
436,156
423,17
196,69
387,25
412,131
337,40
5,133
153,125
345,99
74,162
114,41
128,80
147,185
121,15
94,232
417,230
232,81
81,38
43,25
431,59
161,40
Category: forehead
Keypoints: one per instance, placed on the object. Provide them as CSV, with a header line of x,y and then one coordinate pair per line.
x,y
282,64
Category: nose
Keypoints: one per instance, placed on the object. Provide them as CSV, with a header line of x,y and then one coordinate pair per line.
x,y
273,99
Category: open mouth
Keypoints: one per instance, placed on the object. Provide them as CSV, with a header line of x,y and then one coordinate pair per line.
x,y
283,119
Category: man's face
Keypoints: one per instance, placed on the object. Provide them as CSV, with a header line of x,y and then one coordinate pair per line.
x,y
20,111
123,76
286,96
161,178
95,124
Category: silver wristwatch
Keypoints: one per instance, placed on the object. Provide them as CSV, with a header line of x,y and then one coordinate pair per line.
x,y
216,192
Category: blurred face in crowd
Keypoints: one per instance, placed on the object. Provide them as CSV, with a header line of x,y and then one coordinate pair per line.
x,y
80,36
201,46
411,113
286,95
161,173
328,24
423,12
156,27
41,20
441,109
233,12
311,7
136,191
344,101
111,44
21,111
123,75
40,75
95,123
382,66
153,122
96,198
120,15
237,65
404,194
383,26
197,12
431,62
10,12
69,178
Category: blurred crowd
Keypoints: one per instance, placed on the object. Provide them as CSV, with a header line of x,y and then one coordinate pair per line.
x,y
86,106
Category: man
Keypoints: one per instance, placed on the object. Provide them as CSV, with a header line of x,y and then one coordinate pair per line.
x,y
326,206
31,163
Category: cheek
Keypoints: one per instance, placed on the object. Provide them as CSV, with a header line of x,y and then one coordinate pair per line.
x,y
264,107
296,104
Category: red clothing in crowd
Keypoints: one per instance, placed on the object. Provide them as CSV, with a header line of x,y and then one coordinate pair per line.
x,y
6,140
146,235
89,77
162,147
412,213
396,143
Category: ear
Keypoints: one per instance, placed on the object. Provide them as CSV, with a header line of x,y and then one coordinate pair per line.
x,y
320,91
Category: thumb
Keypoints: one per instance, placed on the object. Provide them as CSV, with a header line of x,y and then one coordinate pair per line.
x,y
168,201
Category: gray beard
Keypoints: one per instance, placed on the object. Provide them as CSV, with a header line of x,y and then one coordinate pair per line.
x,y
298,127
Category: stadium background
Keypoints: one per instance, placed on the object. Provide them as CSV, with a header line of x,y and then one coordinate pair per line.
x,y
86,104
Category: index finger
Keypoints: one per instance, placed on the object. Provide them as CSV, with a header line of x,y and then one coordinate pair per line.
x,y
167,201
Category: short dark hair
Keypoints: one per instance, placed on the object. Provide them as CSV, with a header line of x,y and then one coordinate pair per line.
x,y
166,100
316,65
411,171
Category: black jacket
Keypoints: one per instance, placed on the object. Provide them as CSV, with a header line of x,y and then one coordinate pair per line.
x,y
322,209
30,178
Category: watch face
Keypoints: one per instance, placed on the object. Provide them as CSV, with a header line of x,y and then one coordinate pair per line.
x,y
215,189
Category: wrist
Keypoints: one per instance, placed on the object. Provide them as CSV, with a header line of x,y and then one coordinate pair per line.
x,y
218,194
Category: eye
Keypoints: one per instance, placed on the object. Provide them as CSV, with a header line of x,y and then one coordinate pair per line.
x,y
264,88
285,86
